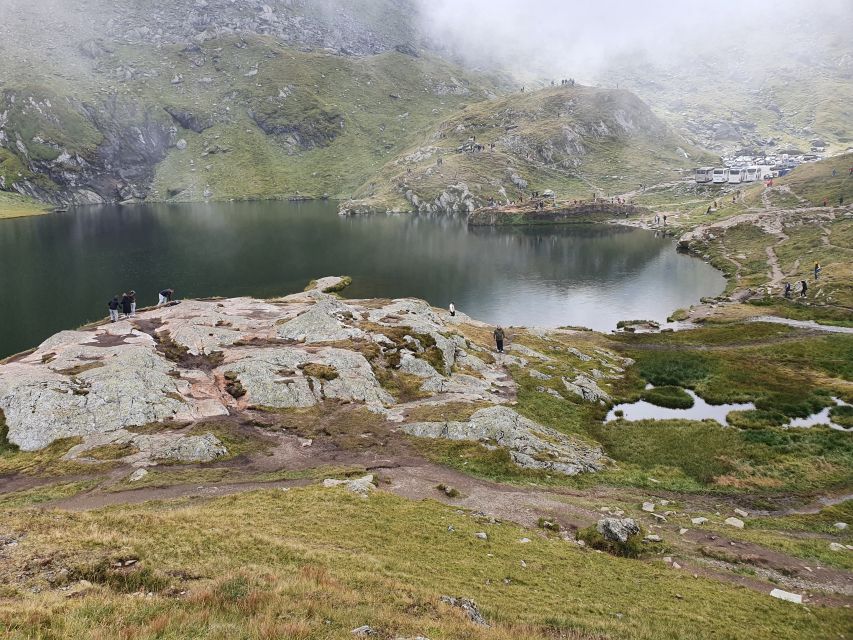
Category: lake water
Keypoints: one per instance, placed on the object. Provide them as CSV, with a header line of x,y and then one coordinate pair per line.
x,y
58,271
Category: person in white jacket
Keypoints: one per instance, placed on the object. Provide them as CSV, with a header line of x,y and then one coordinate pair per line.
x,y
452,309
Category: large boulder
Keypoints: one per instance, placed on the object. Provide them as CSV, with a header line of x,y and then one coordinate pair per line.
x,y
531,445
617,529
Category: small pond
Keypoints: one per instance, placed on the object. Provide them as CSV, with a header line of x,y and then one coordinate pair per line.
x,y
701,410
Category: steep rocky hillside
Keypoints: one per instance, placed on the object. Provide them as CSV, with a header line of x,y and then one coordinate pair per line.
x,y
573,140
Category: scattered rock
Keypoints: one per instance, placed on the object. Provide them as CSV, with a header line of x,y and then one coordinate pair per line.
x,y
652,537
364,631
787,595
468,606
482,535
181,144
734,522
649,506
361,486
841,526
137,475
742,513
835,546
698,521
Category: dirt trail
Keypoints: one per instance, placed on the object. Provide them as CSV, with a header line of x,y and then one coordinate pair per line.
x,y
406,474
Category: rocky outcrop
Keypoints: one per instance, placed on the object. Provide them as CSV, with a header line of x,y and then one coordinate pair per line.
x,y
587,389
194,360
531,445
149,449
617,529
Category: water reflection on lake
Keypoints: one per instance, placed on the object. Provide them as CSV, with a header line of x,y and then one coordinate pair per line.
x,y
58,271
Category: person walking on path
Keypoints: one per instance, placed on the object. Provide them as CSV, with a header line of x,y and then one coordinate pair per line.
x,y
499,339
816,269
113,305
132,303
165,296
452,309
805,287
788,289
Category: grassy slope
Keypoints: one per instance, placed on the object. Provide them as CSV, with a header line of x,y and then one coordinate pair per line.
x,y
375,125
222,83
536,134
314,563
812,235
14,206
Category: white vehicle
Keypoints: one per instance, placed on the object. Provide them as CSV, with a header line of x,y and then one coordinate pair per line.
x,y
704,174
753,174
720,176
736,176
764,171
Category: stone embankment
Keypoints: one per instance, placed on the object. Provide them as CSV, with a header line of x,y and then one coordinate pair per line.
x,y
149,386
582,212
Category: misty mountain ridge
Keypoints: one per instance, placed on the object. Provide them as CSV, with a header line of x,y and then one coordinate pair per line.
x,y
201,99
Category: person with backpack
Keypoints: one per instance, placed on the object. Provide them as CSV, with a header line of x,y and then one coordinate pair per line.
x,y
499,339
803,289
113,306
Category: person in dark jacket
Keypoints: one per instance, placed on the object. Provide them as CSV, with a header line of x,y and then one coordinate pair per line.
x,y
499,339
125,304
132,303
165,296
113,306
804,288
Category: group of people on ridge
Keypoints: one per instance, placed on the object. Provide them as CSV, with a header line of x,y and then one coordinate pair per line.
x,y
125,305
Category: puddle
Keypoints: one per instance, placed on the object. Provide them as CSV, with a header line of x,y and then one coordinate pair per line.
x,y
701,410
820,418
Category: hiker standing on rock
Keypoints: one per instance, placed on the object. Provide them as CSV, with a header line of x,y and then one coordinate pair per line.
x,y
452,309
125,304
165,296
499,339
113,305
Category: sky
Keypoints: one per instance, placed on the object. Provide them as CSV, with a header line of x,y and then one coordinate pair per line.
x,y
562,37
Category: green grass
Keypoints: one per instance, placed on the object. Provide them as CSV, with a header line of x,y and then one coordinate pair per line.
x,y
316,563
47,493
672,397
14,206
